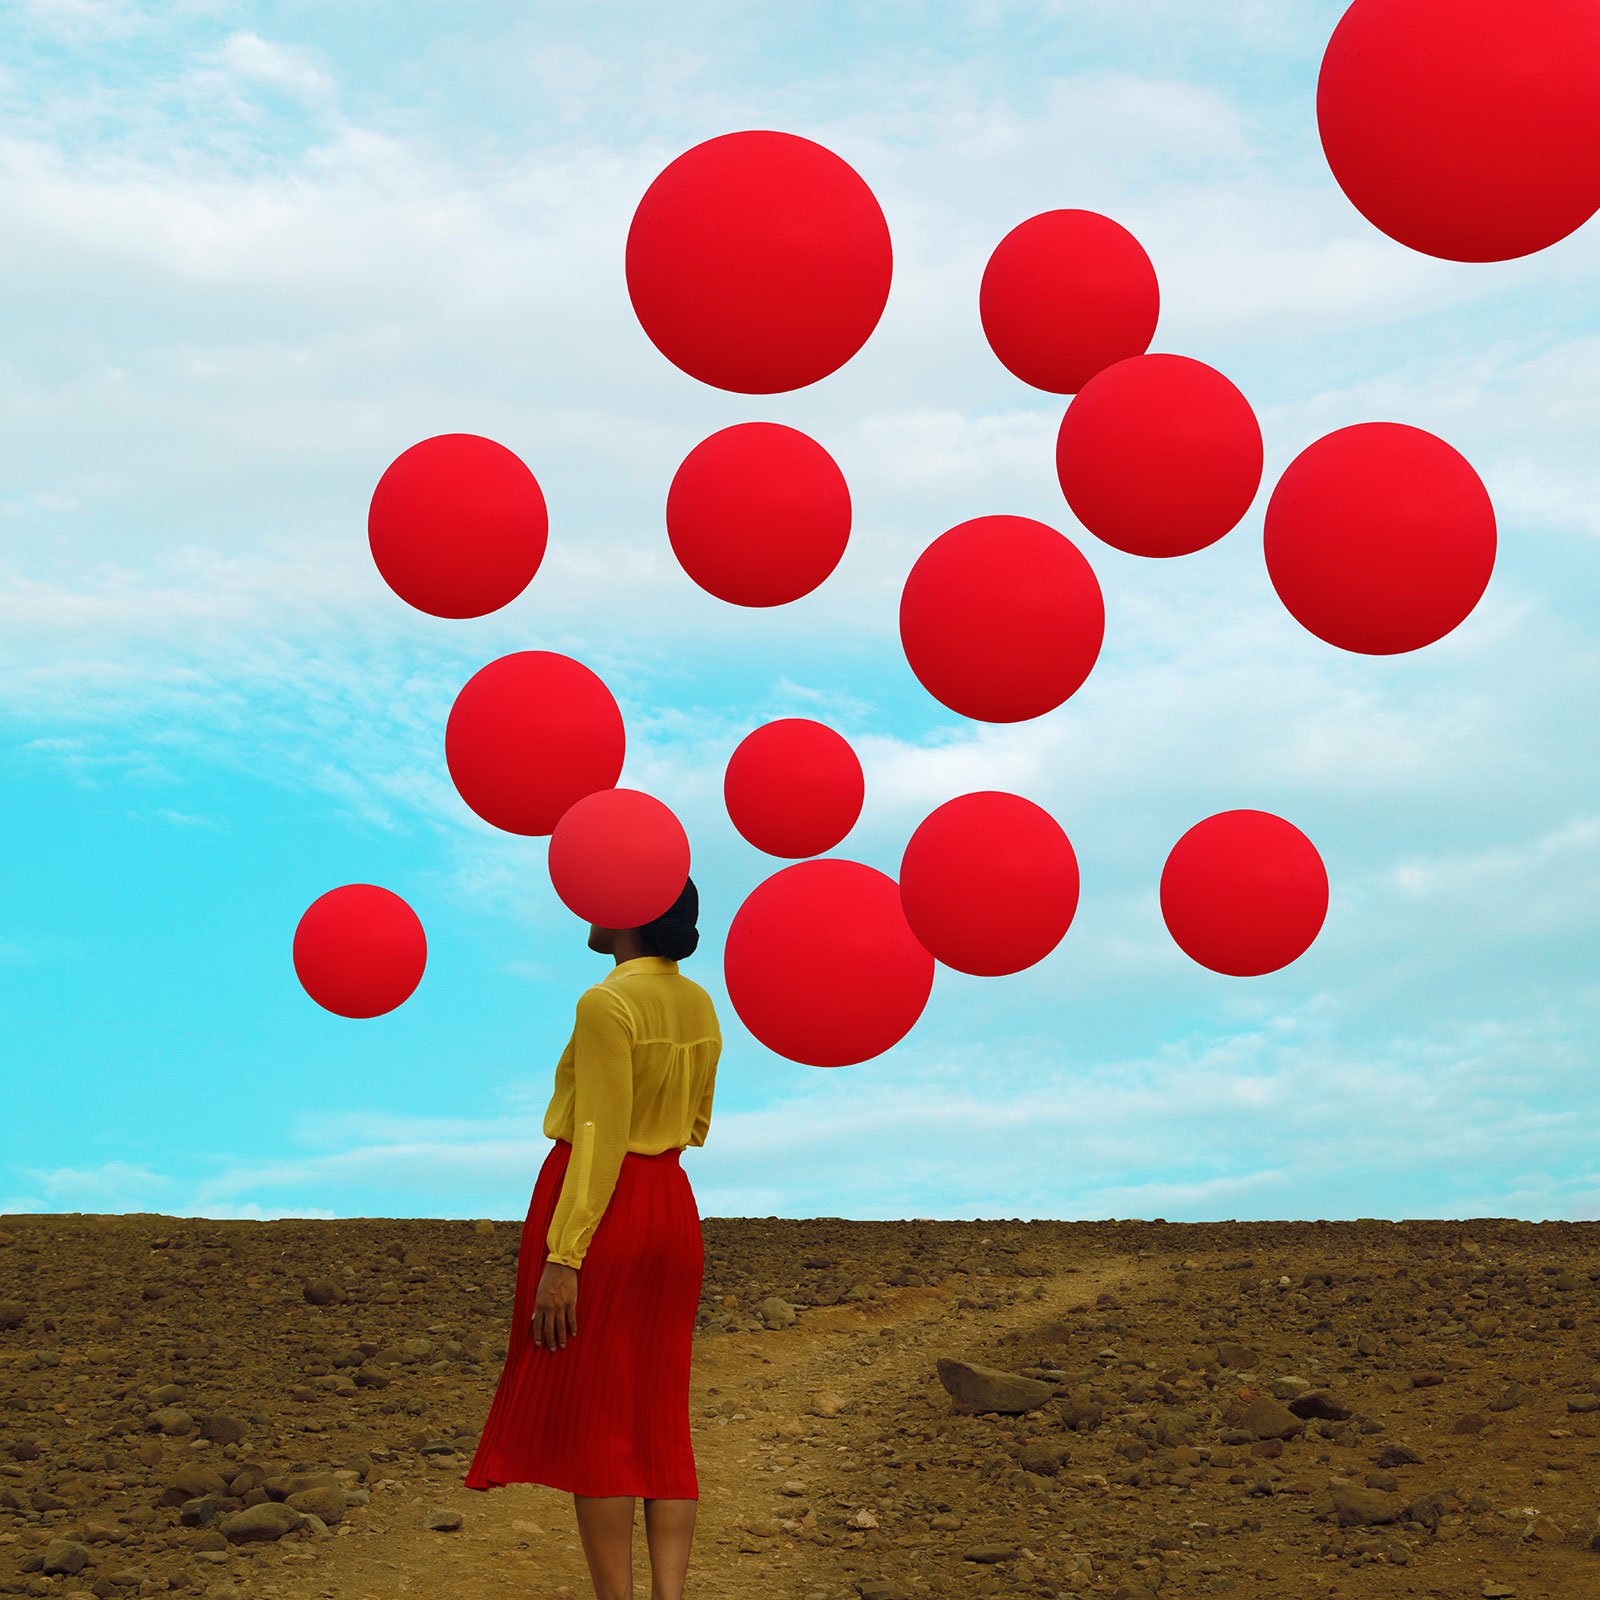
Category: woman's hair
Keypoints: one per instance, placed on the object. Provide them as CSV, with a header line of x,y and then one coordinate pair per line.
x,y
673,934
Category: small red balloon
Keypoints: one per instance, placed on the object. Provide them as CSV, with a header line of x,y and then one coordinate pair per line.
x,y
1066,294
1244,893
359,950
1379,538
1465,129
758,262
618,858
1159,455
530,735
758,514
458,525
794,787
821,967
989,883
1001,618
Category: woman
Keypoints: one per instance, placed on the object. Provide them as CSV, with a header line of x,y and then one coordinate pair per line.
x,y
594,1396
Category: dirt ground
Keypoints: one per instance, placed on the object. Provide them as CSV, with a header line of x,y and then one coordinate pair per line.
x,y
881,1410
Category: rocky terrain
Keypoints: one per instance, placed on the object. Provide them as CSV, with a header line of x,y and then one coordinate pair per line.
x,y
882,1411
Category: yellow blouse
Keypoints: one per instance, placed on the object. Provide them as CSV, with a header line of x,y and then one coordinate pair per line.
x,y
637,1074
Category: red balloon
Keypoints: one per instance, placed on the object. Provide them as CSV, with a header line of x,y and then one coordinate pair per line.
x,y
989,883
794,787
457,525
1379,538
530,735
1001,618
1244,892
1159,455
1466,129
758,514
1065,294
359,950
821,967
618,858
758,262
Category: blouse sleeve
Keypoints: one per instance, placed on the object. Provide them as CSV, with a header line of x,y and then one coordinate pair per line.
x,y
702,1118
602,1074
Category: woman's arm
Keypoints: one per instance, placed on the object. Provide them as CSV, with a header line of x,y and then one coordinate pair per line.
x,y
602,1074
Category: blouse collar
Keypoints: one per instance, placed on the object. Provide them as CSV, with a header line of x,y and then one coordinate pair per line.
x,y
641,964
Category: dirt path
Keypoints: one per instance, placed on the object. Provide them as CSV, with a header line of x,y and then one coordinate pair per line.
x,y
761,1450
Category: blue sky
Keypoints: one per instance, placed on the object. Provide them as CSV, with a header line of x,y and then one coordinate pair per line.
x,y
252,253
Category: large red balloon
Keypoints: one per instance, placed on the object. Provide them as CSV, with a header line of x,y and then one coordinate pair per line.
x,y
529,735
758,262
758,514
1159,455
359,950
1065,294
1466,129
457,525
618,858
1244,892
1379,538
1001,618
821,967
794,787
989,883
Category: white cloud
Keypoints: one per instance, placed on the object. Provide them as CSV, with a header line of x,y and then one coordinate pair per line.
x,y
247,58
253,1212
84,21
1557,851
1253,1124
112,1186
181,819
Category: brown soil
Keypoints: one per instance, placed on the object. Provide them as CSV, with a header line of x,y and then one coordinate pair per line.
x,y
1256,1409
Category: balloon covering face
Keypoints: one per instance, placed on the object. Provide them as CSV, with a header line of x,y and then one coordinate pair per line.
x,y
618,858
758,262
1465,129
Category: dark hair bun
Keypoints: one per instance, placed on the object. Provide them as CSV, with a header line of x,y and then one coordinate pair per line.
x,y
673,935
675,940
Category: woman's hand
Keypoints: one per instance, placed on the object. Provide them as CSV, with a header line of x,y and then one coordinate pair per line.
x,y
555,1306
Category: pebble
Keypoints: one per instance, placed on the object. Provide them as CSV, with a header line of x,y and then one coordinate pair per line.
x,y
320,1500
220,1429
262,1523
1356,1506
66,1556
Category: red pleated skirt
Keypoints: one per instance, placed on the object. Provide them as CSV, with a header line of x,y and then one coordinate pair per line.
x,y
609,1414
